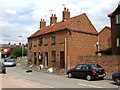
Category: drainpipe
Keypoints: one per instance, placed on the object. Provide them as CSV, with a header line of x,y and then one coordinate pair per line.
x,y
65,55
98,43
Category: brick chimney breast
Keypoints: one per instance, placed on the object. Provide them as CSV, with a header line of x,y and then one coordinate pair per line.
x,y
66,14
42,23
53,19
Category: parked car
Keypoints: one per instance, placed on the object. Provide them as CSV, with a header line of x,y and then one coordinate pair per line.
x,y
87,71
10,62
116,78
2,68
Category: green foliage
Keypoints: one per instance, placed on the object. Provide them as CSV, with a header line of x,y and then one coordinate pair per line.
x,y
108,51
17,52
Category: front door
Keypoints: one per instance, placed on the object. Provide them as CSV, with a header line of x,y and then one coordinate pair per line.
x,y
46,59
62,59
35,58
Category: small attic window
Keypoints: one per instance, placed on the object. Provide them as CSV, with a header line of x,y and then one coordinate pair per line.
x,y
118,42
117,19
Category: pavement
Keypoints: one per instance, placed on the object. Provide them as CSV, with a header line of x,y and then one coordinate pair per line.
x,y
108,76
13,82
25,66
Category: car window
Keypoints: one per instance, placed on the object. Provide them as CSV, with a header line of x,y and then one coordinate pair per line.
x,y
78,67
85,67
96,66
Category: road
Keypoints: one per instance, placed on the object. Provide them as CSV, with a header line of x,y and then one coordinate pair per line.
x,y
17,75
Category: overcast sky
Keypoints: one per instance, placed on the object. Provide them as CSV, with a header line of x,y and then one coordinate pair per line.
x,y
21,17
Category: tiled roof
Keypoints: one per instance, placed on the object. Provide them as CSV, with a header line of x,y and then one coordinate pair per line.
x,y
63,25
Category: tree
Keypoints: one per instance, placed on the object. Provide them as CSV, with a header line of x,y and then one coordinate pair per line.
x,y
17,52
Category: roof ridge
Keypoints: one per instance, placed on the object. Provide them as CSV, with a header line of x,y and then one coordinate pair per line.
x,y
58,26
104,28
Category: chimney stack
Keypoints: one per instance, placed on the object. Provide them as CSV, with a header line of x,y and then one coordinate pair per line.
x,y
42,23
53,19
66,14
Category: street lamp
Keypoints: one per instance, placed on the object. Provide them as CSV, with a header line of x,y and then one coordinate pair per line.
x,y
22,47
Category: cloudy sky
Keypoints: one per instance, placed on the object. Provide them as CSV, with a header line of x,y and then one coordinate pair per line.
x,y
21,17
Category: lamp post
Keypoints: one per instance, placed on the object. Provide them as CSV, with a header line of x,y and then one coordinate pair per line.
x,y
22,47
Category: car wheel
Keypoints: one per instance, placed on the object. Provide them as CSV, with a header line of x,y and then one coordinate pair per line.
x,y
117,80
69,75
89,78
4,72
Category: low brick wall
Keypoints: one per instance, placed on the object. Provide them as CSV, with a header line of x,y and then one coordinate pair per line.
x,y
109,63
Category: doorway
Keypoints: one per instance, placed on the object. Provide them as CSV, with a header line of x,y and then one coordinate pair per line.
x,y
62,59
35,58
46,59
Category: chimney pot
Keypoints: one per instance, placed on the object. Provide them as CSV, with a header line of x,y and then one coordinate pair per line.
x,y
54,15
42,23
53,19
66,14
67,9
64,8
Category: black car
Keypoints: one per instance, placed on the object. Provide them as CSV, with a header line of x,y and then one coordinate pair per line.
x,y
2,68
87,71
116,78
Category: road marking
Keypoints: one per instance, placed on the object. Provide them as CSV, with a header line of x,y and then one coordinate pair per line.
x,y
89,85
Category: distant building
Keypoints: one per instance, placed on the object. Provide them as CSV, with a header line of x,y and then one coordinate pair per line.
x,y
61,43
115,30
5,50
104,37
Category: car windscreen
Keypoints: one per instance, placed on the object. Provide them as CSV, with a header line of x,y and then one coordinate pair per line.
x,y
10,61
96,66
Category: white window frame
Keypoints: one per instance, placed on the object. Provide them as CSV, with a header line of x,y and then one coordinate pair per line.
x,y
53,39
117,19
118,42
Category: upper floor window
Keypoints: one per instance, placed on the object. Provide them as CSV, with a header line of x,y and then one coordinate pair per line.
x,y
40,40
53,39
118,42
30,43
118,19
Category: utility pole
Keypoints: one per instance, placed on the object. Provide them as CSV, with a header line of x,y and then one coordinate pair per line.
x,y
22,46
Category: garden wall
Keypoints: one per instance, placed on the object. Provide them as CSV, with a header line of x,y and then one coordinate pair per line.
x,y
109,63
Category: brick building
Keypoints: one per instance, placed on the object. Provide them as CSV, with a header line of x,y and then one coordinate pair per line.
x,y
104,37
60,43
115,32
5,50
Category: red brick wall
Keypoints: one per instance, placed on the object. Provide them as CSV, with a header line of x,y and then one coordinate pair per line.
x,y
109,63
105,38
59,46
80,44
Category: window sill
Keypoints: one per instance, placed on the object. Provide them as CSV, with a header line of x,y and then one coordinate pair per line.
x,y
53,60
53,44
45,44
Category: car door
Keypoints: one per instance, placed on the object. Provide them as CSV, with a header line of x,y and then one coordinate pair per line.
x,y
85,70
77,71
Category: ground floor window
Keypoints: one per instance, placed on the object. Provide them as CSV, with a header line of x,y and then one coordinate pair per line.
x,y
54,56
